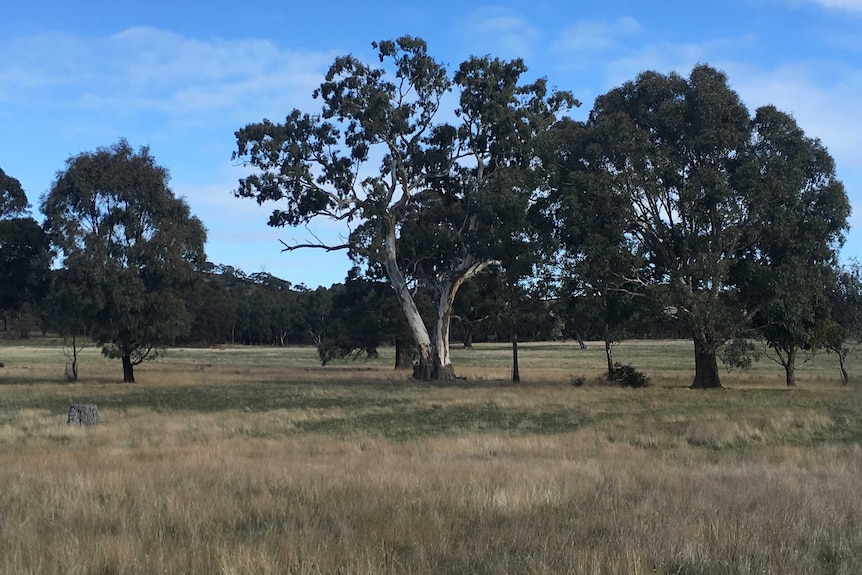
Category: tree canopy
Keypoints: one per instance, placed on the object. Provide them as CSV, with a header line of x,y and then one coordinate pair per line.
x,y
128,240
25,253
434,196
718,199
13,200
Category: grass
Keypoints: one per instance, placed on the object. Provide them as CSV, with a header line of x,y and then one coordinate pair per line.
x,y
240,461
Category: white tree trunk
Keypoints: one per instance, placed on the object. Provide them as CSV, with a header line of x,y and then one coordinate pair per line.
x,y
405,298
434,359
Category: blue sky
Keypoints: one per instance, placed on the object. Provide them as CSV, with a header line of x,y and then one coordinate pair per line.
x,y
183,76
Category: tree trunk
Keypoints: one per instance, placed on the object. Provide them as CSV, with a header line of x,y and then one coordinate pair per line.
x,y
842,363
705,365
580,341
516,374
71,374
790,367
468,335
609,353
74,358
434,361
431,368
128,370
402,355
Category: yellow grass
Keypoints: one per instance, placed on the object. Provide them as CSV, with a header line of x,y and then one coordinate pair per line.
x,y
357,470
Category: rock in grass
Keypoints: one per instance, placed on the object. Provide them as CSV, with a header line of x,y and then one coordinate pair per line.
x,y
83,414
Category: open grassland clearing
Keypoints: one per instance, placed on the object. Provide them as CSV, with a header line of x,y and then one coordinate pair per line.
x,y
259,461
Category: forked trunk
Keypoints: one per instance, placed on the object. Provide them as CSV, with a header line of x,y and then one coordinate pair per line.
x,y
705,365
128,370
434,361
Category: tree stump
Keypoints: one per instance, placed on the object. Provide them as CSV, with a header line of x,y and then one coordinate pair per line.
x,y
83,414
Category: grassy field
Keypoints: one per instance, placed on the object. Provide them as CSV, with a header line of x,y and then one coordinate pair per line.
x,y
242,461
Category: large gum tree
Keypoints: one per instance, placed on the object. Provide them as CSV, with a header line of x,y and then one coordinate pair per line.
x,y
130,244
433,172
719,199
670,145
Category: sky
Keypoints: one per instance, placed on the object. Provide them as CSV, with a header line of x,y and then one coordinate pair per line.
x,y
182,76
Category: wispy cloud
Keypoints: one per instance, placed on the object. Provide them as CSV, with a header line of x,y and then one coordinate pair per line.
x,y
592,37
849,5
155,70
499,31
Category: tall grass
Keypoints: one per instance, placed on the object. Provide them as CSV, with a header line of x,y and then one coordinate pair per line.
x,y
258,461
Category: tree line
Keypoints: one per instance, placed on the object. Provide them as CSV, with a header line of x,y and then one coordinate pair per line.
x,y
671,209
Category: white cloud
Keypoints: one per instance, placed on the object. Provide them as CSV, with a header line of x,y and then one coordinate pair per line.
x,y
151,69
823,99
499,31
850,5
587,37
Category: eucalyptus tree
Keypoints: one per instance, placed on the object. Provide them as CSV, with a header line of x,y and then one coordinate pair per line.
x,y
846,323
366,315
600,273
433,193
13,200
692,163
129,240
25,253
803,211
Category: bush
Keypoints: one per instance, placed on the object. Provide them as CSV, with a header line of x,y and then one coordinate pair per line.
x,y
628,376
579,381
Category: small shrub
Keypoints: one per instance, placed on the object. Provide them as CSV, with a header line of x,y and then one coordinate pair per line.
x,y
628,376
579,381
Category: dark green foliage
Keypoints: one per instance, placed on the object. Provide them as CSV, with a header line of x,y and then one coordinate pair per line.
x,y
789,267
365,315
627,375
25,259
738,353
845,324
126,238
13,200
213,310
720,206
670,144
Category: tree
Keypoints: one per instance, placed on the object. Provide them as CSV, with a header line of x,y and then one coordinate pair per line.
x,y
798,319
25,262
25,252
70,309
365,315
600,272
689,159
846,322
13,200
435,211
213,309
124,235
790,264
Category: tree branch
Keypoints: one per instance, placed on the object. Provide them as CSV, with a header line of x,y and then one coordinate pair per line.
x,y
319,245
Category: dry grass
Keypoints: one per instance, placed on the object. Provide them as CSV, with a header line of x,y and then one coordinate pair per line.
x,y
257,461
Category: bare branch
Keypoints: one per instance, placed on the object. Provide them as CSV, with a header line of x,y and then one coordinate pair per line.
x,y
318,244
